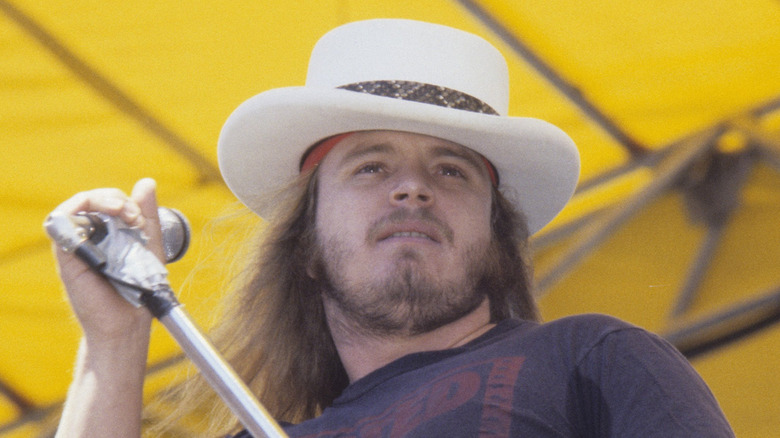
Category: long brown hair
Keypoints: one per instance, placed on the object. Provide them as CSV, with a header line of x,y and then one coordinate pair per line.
x,y
275,332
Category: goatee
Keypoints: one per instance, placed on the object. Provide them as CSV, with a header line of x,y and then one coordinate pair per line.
x,y
407,301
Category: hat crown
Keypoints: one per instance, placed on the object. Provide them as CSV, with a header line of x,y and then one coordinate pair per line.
x,y
407,50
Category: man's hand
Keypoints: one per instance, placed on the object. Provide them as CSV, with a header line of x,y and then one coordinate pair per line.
x,y
103,314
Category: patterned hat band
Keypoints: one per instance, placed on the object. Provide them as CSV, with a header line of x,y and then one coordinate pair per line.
x,y
423,93
405,90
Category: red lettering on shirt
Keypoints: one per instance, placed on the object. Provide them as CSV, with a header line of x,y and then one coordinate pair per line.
x,y
443,395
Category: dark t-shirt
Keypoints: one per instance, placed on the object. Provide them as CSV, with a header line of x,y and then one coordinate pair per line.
x,y
581,376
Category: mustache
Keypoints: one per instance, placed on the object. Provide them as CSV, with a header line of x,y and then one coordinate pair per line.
x,y
401,216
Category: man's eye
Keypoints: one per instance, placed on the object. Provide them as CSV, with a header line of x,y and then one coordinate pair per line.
x,y
451,171
370,168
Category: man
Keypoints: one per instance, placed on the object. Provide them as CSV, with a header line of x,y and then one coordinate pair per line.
x,y
391,295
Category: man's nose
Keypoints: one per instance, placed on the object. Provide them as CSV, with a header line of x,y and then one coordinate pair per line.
x,y
412,190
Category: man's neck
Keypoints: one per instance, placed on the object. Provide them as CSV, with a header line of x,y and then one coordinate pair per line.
x,y
361,353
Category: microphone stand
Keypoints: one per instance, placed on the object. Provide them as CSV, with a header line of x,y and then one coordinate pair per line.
x,y
217,372
120,254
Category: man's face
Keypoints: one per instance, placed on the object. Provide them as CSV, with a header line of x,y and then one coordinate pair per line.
x,y
403,229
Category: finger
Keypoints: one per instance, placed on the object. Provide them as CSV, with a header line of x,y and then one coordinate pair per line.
x,y
145,197
109,201
144,194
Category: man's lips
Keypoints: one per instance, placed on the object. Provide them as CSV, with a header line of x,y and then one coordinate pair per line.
x,y
410,225
410,230
413,234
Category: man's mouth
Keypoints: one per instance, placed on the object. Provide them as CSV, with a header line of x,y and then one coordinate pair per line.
x,y
411,230
401,224
413,234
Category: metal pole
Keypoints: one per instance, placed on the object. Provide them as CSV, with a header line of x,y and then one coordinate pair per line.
x,y
220,375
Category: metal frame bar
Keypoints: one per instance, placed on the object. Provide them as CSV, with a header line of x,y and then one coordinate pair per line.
x,y
727,326
207,171
36,413
565,230
573,93
701,264
668,173
715,230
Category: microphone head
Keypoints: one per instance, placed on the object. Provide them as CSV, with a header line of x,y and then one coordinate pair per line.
x,y
176,233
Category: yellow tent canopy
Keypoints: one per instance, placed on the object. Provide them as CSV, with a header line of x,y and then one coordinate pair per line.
x,y
675,107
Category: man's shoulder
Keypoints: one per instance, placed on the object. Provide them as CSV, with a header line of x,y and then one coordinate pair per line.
x,y
575,335
587,325
595,320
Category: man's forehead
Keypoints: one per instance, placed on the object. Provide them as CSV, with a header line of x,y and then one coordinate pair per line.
x,y
365,143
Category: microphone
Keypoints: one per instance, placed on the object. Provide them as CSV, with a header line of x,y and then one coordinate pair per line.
x,y
175,229
72,231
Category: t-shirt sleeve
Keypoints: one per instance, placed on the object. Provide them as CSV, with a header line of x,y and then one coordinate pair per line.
x,y
637,384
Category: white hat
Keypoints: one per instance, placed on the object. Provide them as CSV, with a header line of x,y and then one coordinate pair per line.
x,y
401,75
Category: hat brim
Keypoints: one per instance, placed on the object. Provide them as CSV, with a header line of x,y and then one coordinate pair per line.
x,y
262,141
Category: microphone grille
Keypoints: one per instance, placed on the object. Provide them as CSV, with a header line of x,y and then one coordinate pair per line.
x,y
176,233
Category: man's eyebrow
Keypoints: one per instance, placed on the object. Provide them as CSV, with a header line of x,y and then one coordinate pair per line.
x,y
361,151
469,157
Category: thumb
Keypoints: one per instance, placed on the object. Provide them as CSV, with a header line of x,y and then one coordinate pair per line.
x,y
144,194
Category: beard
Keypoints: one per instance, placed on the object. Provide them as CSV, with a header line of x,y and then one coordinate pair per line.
x,y
407,301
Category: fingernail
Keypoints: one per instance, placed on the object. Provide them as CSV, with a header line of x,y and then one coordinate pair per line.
x,y
131,210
